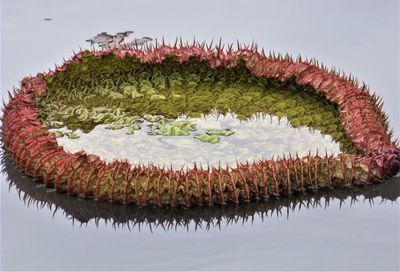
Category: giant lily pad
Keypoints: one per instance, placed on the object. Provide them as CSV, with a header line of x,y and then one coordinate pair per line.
x,y
111,87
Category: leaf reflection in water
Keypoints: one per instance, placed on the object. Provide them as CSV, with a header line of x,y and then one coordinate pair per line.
x,y
135,218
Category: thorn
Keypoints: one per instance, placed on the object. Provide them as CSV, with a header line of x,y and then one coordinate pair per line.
x,y
219,44
210,45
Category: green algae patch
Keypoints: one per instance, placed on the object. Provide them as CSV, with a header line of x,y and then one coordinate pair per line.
x,y
57,133
56,124
72,135
170,130
107,89
167,127
151,118
114,126
132,129
220,132
207,138
184,125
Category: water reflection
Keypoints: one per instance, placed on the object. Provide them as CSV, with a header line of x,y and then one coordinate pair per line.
x,y
84,211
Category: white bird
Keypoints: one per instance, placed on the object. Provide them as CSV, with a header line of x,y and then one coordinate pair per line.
x,y
101,38
136,41
120,37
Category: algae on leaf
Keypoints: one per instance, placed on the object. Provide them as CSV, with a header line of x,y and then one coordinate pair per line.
x,y
57,133
171,130
72,135
114,126
81,100
56,124
207,138
220,132
105,118
151,118
185,125
132,129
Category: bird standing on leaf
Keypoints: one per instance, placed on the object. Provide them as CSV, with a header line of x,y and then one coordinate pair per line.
x,y
119,40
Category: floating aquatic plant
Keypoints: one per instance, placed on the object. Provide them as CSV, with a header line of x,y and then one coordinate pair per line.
x,y
103,87
220,132
207,138
72,135
56,133
132,129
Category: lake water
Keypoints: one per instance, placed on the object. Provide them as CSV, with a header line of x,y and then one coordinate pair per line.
x,y
353,230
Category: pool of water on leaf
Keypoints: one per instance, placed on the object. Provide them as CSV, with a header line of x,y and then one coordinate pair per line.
x,y
260,137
